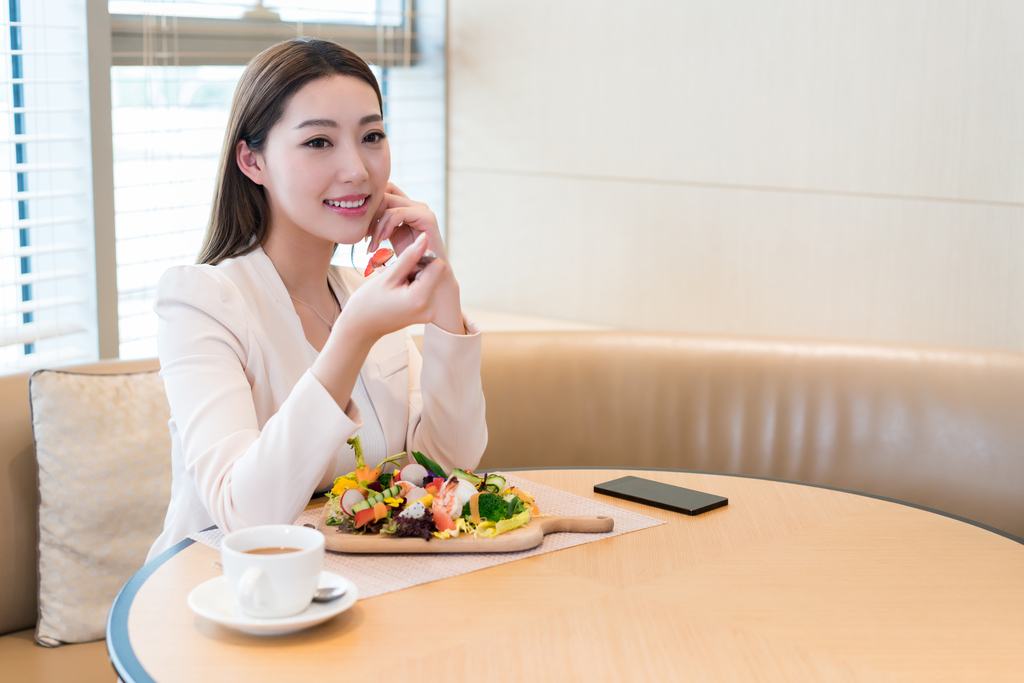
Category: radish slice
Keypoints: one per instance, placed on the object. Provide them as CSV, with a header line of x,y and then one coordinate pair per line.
x,y
414,494
414,473
350,498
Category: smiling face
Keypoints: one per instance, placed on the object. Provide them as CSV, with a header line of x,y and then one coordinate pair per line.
x,y
326,163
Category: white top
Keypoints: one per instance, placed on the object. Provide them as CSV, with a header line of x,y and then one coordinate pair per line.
x,y
371,435
254,433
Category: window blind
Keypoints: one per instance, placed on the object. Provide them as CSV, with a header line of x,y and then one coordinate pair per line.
x,y
170,111
47,262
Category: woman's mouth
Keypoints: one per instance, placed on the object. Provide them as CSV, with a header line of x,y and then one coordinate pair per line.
x,y
353,205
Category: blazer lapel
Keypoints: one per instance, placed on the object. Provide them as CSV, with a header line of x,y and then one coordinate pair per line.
x,y
280,321
386,374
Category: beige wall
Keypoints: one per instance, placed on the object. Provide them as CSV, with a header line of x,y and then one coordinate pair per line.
x,y
831,169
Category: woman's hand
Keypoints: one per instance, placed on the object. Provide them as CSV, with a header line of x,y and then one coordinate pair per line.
x,y
388,302
401,220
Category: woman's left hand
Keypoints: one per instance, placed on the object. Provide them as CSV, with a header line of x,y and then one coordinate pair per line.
x,y
401,220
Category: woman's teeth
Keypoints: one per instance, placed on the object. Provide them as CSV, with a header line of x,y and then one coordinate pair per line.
x,y
346,205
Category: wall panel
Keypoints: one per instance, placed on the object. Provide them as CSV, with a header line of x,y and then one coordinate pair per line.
x,y
830,169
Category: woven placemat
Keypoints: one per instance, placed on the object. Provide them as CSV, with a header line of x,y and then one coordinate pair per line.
x,y
378,574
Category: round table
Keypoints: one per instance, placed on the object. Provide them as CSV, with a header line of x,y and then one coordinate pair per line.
x,y
787,582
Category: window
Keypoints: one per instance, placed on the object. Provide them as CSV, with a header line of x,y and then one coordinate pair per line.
x,y
47,271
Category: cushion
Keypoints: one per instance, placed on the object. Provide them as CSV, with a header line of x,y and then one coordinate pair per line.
x,y
104,453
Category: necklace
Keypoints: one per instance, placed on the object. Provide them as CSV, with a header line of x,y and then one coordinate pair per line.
x,y
330,325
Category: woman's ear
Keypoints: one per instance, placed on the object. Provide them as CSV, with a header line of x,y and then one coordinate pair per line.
x,y
250,163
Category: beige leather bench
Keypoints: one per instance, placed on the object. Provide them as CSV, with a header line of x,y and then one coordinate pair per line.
x,y
940,428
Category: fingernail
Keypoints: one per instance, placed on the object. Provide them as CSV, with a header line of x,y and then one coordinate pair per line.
x,y
421,238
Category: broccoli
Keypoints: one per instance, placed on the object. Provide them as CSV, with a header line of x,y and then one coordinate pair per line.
x,y
494,508
385,480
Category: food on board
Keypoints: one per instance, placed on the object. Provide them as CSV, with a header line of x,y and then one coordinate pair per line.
x,y
377,261
383,255
420,500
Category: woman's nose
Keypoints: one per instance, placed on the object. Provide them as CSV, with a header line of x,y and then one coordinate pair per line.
x,y
351,167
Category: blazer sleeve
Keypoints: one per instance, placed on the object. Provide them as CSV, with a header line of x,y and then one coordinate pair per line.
x,y
244,475
447,414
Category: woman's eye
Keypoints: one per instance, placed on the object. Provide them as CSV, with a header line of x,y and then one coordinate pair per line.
x,y
317,143
374,137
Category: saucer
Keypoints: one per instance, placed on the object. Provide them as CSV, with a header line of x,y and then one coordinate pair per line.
x,y
213,599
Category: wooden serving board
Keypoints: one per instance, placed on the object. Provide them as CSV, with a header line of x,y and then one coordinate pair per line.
x,y
523,538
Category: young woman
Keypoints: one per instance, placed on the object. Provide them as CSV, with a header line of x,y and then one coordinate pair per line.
x,y
271,357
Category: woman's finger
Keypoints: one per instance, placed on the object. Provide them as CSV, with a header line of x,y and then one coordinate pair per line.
x,y
410,221
406,262
372,229
376,230
393,189
430,275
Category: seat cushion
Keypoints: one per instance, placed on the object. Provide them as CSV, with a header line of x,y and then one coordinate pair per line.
x,y
24,660
103,450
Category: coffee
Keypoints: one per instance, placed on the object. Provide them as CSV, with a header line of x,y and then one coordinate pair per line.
x,y
272,551
281,585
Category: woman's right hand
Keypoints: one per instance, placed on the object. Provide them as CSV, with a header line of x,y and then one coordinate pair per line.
x,y
389,301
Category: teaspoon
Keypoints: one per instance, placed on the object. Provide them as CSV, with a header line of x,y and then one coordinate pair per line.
x,y
328,593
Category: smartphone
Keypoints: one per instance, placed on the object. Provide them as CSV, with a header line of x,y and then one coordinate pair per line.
x,y
661,495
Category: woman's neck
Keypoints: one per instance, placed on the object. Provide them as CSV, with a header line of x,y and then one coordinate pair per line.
x,y
302,265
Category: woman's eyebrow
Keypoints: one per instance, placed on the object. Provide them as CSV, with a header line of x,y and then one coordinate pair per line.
x,y
334,124
317,122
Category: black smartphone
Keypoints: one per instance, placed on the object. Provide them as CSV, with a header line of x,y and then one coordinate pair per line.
x,y
661,495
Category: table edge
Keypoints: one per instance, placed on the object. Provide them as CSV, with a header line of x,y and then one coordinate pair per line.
x,y
128,667
119,646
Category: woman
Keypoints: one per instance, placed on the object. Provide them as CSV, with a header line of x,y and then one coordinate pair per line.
x,y
271,357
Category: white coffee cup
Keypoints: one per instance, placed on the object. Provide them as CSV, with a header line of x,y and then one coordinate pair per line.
x,y
273,585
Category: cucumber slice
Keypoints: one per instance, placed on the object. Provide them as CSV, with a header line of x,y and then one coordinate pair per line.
x,y
359,507
495,483
467,476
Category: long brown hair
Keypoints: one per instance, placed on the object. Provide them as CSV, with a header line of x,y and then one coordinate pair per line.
x,y
240,215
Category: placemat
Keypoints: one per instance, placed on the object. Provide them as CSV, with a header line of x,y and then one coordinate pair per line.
x,y
378,574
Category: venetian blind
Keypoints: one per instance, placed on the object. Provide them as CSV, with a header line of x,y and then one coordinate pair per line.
x,y
47,262
175,69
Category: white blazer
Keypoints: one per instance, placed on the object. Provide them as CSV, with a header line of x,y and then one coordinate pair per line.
x,y
254,433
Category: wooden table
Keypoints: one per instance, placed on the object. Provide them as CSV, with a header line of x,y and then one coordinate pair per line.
x,y
788,582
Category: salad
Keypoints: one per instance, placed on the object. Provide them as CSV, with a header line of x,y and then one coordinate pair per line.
x,y
420,500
